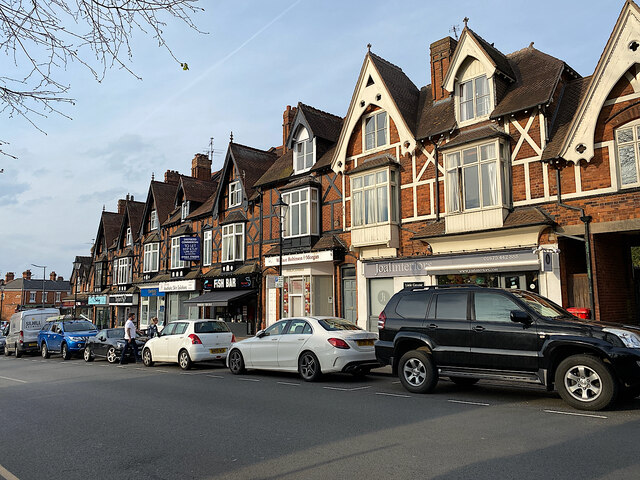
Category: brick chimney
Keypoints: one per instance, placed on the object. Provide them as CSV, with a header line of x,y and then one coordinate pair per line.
x,y
172,177
9,276
287,122
26,275
441,53
53,277
122,204
201,167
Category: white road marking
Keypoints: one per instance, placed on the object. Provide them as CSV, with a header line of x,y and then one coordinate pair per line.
x,y
6,474
395,383
289,383
248,379
346,389
469,403
575,414
14,379
193,373
215,376
393,395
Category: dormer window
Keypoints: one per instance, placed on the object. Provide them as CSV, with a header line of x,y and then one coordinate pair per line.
x,y
185,209
154,224
375,131
129,240
474,98
303,152
235,194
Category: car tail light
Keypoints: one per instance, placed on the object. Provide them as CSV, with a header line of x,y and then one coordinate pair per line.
x,y
338,343
195,340
21,337
233,338
382,320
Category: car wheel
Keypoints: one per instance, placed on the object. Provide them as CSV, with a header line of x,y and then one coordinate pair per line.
x,y
236,362
88,356
45,351
111,355
585,382
18,352
6,351
66,354
309,367
464,381
146,358
184,360
418,372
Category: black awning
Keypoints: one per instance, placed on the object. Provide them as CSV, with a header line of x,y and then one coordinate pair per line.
x,y
219,299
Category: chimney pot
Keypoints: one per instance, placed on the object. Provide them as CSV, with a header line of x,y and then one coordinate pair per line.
x,y
9,276
172,177
26,275
53,276
201,167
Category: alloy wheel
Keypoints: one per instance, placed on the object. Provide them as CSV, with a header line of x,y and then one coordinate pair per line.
x,y
583,383
414,371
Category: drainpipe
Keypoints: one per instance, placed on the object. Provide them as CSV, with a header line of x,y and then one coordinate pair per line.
x,y
586,219
435,154
258,324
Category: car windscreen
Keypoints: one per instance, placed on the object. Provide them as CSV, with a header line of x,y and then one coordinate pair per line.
x,y
211,327
333,324
78,326
541,305
117,333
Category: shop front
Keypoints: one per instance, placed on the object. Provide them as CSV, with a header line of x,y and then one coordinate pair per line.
x,y
122,304
101,310
176,293
151,305
525,269
307,287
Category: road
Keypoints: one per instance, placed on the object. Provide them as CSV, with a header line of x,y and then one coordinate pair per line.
x,y
73,420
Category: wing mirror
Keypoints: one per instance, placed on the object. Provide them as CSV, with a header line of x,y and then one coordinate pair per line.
x,y
261,333
518,316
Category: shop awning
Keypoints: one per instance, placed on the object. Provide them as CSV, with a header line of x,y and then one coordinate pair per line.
x,y
219,299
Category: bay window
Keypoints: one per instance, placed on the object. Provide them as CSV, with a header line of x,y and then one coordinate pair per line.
x,y
175,254
473,178
475,98
302,215
235,194
207,247
233,242
375,130
303,152
628,141
150,260
374,198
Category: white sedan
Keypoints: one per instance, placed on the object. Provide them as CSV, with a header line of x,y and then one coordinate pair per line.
x,y
189,341
310,346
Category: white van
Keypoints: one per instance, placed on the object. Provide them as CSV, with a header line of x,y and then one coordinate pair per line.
x,y
23,330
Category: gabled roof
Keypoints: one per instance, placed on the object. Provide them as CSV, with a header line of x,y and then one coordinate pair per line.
x,y
109,228
163,196
322,124
37,285
498,58
195,190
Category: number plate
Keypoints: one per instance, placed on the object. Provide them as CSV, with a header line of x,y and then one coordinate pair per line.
x,y
365,343
32,344
217,350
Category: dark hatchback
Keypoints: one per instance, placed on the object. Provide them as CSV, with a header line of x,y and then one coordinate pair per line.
x,y
108,343
467,333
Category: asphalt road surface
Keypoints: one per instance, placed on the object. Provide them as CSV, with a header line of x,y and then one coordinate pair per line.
x,y
77,420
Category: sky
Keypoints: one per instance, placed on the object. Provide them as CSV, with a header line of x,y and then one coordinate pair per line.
x,y
254,58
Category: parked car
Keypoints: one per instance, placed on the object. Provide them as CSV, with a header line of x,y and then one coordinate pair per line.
x,y
467,333
310,346
67,337
189,341
22,335
108,343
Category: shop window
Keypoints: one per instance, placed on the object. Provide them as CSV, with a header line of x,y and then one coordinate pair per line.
x,y
175,254
375,131
207,248
374,198
493,307
233,242
302,215
150,260
473,178
628,141
303,152
235,194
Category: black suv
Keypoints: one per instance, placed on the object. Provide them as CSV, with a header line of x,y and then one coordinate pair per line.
x,y
468,332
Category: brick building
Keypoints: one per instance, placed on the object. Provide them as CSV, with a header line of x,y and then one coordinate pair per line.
x,y
23,293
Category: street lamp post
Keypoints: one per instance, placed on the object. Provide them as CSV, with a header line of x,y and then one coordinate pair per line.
x,y
44,274
76,269
280,209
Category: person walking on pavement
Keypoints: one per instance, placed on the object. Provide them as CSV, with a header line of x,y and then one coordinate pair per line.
x,y
130,339
152,331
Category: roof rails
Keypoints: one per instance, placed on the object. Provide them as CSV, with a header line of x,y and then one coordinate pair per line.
x,y
462,285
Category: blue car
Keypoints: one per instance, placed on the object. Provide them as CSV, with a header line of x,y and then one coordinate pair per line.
x,y
65,336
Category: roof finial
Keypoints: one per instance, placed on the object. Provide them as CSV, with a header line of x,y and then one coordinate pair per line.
x,y
368,48
104,207
531,45
231,137
465,20
153,176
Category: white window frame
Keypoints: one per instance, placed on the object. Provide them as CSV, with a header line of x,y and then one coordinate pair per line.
x,y
310,205
44,297
151,259
154,224
625,144
124,270
456,172
129,239
474,99
207,247
32,297
235,194
376,130
185,209
304,152
384,180
233,242
176,263
58,297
